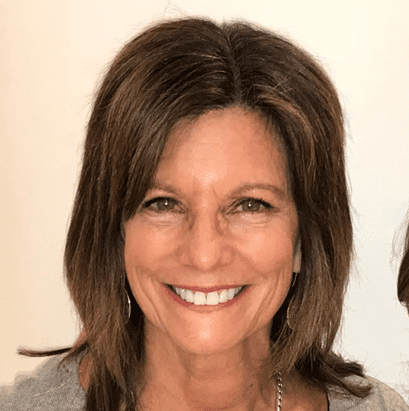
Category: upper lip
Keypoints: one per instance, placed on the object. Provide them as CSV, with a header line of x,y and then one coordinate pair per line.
x,y
207,289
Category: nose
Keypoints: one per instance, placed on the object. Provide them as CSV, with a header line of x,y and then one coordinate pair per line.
x,y
205,247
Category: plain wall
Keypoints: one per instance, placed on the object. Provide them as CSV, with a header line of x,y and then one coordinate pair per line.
x,y
52,55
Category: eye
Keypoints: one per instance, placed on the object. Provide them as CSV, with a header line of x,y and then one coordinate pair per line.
x,y
253,205
160,204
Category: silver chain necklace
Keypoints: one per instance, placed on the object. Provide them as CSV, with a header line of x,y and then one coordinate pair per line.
x,y
279,391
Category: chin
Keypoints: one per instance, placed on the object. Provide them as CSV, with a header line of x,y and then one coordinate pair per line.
x,y
206,345
208,338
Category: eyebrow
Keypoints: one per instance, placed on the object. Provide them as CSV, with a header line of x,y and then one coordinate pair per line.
x,y
164,187
258,186
281,193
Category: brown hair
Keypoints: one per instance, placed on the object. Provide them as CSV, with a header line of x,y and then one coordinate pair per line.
x,y
182,69
403,278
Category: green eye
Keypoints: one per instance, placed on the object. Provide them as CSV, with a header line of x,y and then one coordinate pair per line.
x,y
160,204
253,205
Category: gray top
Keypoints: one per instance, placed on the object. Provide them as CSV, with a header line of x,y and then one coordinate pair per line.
x,y
51,389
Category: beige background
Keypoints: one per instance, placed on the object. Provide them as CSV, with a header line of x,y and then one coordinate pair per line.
x,y
52,55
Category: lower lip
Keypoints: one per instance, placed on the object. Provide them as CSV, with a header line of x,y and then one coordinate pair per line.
x,y
205,308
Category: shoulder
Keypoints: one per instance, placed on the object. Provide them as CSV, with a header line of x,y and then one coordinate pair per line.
x,y
381,398
49,387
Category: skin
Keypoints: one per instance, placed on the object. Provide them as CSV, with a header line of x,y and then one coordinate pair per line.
x,y
207,235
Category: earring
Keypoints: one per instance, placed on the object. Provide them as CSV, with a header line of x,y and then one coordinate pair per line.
x,y
294,279
129,306
289,317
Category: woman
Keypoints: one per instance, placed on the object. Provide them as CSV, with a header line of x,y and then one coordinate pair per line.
x,y
210,242
403,279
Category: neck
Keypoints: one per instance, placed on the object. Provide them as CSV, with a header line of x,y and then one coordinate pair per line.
x,y
231,380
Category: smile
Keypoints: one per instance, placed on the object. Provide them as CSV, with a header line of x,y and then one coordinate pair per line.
x,y
201,298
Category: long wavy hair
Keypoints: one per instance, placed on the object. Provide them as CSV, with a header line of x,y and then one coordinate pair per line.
x,y
182,69
403,278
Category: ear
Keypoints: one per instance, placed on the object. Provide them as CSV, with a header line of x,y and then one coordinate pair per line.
x,y
297,257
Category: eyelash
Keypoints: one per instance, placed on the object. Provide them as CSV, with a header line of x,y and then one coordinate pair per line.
x,y
149,203
264,204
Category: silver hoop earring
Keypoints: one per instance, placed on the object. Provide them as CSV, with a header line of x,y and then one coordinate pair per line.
x,y
289,317
294,279
129,306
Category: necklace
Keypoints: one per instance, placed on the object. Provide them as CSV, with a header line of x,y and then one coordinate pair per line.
x,y
279,391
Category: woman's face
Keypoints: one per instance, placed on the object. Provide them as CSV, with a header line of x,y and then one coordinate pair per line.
x,y
219,220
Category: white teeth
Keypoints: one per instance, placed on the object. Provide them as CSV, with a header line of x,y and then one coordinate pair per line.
x,y
199,298
213,298
189,296
230,293
223,296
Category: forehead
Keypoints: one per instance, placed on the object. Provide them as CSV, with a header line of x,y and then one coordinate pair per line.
x,y
233,145
235,123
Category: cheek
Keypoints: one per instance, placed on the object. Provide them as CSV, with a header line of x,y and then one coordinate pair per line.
x,y
145,248
141,256
269,251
